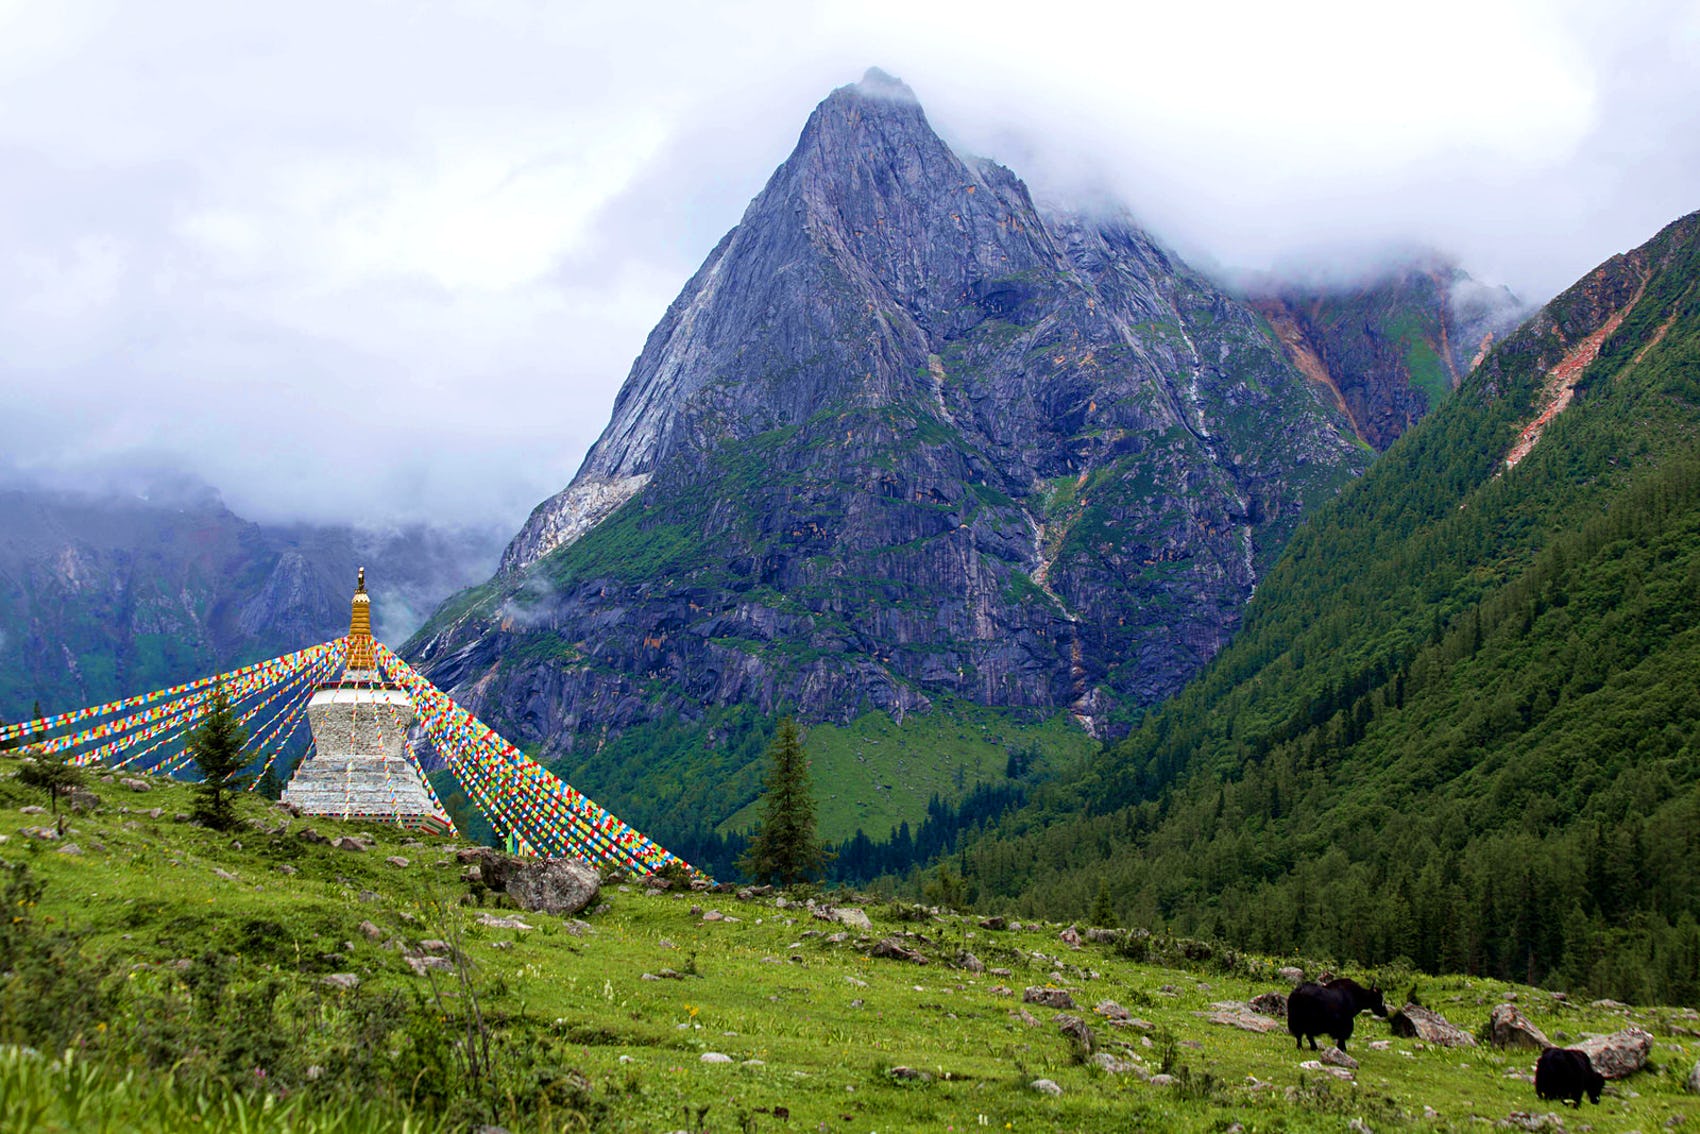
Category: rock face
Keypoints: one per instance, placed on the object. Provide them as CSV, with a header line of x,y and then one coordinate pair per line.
x,y
1620,1054
1393,346
903,436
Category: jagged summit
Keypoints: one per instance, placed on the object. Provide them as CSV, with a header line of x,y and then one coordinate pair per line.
x,y
904,435
880,84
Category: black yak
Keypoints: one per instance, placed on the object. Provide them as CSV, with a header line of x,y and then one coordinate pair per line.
x,y
1329,1010
1568,1074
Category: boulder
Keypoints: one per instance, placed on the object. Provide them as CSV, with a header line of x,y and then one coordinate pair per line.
x,y
1048,998
1269,1004
855,918
894,949
1416,1022
342,980
1620,1054
491,921
1076,1030
350,843
1112,1065
1045,1087
715,1057
1070,937
993,923
1291,975
1334,1057
135,784
1113,1012
969,962
909,1075
1507,1027
308,835
84,801
552,885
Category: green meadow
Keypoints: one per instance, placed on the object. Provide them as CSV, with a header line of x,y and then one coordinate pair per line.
x,y
165,977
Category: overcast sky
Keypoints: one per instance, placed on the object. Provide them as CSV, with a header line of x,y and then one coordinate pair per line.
x,y
362,262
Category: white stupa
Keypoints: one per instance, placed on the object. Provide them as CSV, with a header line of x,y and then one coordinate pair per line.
x,y
359,768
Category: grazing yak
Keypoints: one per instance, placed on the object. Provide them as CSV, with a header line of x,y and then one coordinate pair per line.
x,y
1329,1010
1567,1074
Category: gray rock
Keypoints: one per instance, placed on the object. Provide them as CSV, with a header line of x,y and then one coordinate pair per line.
x,y
1075,1030
854,918
1161,1080
1416,1022
1047,997
1109,1063
1291,975
968,962
342,980
397,861
1507,1027
32,809
993,923
1620,1054
715,1057
351,843
909,1075
422,965
553,885
1045,1087
1242,1017
491,921
1112,1012
1694,1080
71,849
135,784
894,949
1334,1057
1269,1004
371,932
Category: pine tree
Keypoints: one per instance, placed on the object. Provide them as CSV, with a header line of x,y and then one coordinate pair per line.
x,y
52,773
216,747
1103,914
785,848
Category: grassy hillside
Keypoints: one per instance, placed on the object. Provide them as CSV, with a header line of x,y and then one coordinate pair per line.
x,y
193,983
1461,724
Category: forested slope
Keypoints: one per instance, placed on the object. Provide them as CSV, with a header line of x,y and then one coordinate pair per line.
x,y
1459,723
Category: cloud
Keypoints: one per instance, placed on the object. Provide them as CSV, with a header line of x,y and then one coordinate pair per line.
x,y
373,262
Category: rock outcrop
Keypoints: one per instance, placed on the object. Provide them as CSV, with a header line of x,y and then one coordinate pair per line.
x,y
1620,1054
1416,1022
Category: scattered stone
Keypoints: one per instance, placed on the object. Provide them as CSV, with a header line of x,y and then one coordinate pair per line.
x,y
38,832
473,875
993,923
370,931
1609,1004
371,897
491,921
857,983
1024,1016
224,874
1107,1062
1525,1120
1235,1015
714,915
432,945
1416,1022
32,809
350,843
1104,936
1291,975
856,919
894,948
421,964
1070,937
1001,990
1076,1030
501,944
1620,1054
1507,1027
1319,1066
910,1075
969,962
84,801
1694,1080
1161,1080
155,813
1047,997
1112,1012
397,861
1045,1087
287,869
576,927
71,849
715,1057
135,784
1337,1058
1269,1004
308,835
648,976
342,980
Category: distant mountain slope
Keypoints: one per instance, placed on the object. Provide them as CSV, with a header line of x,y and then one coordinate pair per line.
x,y
1393,346
103,596
1461,723
903,440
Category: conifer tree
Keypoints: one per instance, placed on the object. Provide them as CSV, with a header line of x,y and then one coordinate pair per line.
x,y
52,773
216,748
785,848
1103,914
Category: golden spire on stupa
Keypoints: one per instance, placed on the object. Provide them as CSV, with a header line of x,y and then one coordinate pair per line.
x,y
361,654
